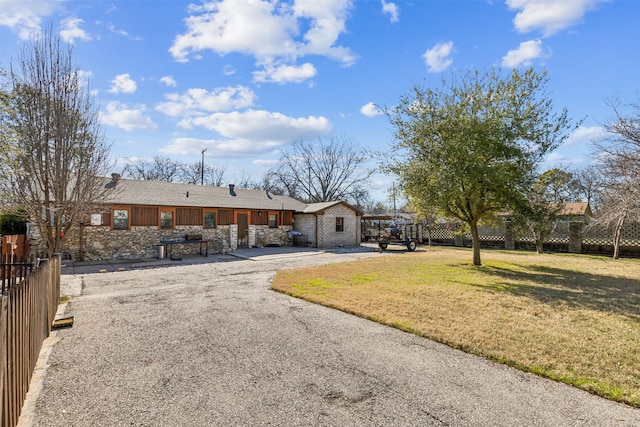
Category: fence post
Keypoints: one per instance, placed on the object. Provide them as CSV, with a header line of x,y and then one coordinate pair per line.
x,y
4,309
509,235
575,237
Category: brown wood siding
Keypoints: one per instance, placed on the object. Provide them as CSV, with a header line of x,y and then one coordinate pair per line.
x,y
225,216
144,216
260,217
188,216
286,218
106,218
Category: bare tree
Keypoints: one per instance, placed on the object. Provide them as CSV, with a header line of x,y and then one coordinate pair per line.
x,y
620,196
625,130
58,153
213,175
619,166
325,171
588,182
157,169
6,136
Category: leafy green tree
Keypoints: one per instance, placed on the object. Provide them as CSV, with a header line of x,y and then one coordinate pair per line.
x,y
470,148
13,221
544,202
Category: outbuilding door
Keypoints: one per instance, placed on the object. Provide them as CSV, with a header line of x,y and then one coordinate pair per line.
x,y
243,230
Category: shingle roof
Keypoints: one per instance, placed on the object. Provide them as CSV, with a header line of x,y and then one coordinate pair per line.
x,y
321,206
317,207
575,208
137,192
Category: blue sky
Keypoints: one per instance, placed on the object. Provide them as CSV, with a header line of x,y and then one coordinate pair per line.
x,y
246,78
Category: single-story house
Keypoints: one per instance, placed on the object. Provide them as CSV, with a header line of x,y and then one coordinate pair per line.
x,y
138,216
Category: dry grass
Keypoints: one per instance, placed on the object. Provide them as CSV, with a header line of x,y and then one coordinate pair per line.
x,y
573,318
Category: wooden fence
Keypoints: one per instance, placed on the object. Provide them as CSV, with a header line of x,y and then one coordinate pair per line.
x,y
30,297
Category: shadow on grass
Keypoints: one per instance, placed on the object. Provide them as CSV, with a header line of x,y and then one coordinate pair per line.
x,y
552,286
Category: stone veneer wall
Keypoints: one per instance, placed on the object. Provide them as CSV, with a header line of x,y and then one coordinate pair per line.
x,y
262,235
103,243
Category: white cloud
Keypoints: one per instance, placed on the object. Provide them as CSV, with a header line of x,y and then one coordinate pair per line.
x,y
370,110
272,32
124,117
587,135
266,163
168,80
84,77
438,58
285,73
326,21
524,54
200,101
111,27
260,125
392,10
25,17
70,30
549,16
123,84
220,149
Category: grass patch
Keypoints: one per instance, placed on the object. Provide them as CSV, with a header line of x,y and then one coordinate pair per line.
x,y
572,318
63,299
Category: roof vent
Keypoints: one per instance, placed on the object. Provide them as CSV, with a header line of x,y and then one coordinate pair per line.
x,y
115,177
231,191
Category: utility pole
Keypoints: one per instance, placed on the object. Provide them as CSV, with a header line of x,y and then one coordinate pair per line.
x,y
393,194
202,168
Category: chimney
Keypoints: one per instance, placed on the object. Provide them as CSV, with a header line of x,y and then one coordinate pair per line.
x,y
115,177
233,193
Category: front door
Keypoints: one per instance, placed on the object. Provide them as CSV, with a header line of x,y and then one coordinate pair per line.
x,y
243,230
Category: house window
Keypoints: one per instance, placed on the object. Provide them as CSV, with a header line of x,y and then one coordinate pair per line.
x,y
209,220
273,221
120,219
339,224
166,219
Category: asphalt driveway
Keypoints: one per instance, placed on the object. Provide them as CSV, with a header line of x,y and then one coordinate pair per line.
x,y
207,343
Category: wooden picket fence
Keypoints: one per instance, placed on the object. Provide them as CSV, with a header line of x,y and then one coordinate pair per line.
x,y
30,296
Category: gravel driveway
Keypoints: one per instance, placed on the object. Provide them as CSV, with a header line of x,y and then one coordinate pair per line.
x,y
209,344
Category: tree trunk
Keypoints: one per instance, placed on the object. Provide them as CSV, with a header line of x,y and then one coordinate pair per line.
x,y
475,239
617,236
539,246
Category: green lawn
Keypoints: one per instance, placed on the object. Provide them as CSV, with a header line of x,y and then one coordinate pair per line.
x,y
573,318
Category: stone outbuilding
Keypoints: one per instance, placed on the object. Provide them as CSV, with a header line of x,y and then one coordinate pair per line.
x,y
144,219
